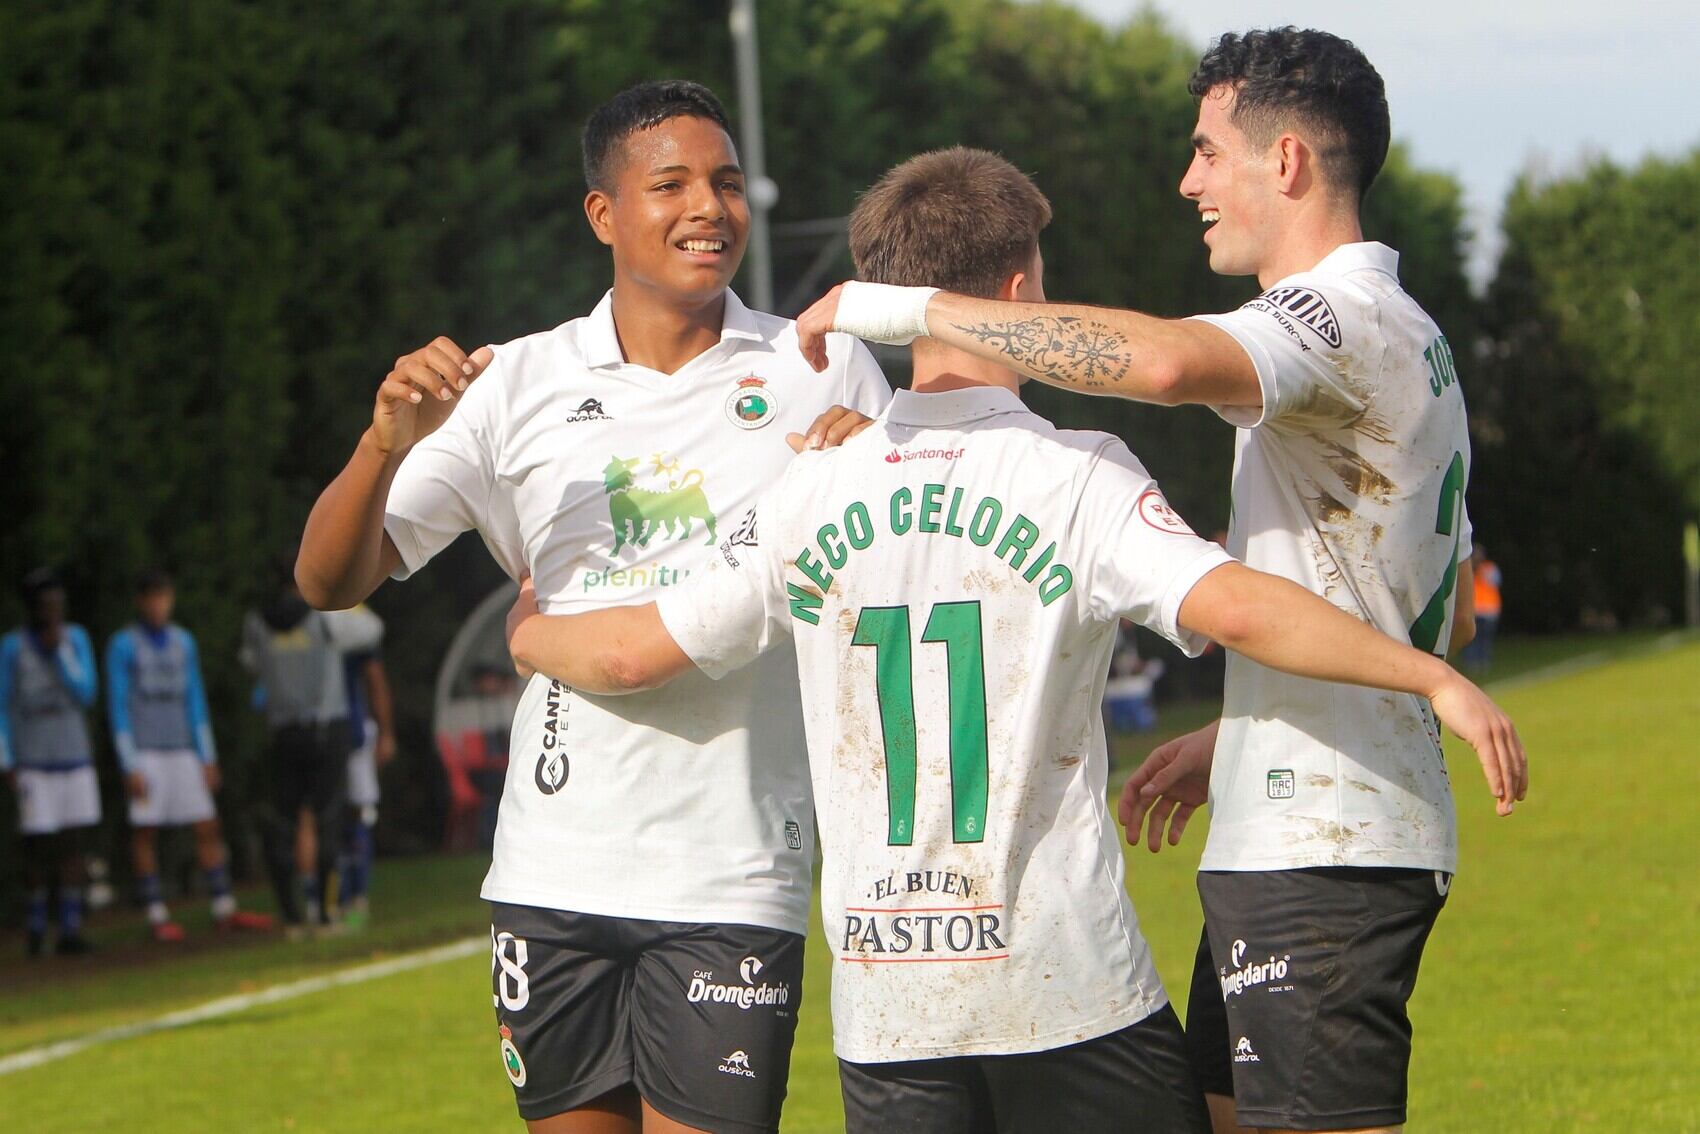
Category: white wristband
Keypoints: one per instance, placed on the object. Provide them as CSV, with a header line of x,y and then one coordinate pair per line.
x,y
883,313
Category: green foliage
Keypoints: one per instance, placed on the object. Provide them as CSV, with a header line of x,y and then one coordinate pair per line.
x,y
226,220
1590,399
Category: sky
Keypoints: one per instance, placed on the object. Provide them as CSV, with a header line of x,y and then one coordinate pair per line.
x,y
1483,89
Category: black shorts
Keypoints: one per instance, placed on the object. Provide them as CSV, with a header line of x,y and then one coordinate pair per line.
x,y
1134,1080
309,768
1299,991
699,1017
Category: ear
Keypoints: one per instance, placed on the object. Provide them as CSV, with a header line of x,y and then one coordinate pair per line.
x,y
1293,160
1011,289
598,210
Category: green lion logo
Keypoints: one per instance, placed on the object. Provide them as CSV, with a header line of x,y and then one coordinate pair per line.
x,y
638,513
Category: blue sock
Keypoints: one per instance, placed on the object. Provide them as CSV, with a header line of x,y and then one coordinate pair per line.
x,y
148,889
218,881
357,864
310,888
35,913
70,911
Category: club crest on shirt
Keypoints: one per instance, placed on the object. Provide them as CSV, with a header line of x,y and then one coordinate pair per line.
x,y
1155,510
751,404
640,513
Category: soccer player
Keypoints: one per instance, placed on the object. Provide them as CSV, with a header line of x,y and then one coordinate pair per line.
x,y
953,579
163,736
298,654
371,717
1332,838
650,885
47,681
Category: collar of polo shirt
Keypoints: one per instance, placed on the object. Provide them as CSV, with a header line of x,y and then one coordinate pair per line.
x,y
601,343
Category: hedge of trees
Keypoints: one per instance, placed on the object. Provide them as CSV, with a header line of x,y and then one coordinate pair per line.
x,y
223,220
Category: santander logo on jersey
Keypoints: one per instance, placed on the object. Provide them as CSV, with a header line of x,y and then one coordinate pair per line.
x,y
898,456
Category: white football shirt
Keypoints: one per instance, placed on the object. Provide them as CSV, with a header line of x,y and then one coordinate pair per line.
x,y
953,578
1350,482
611,482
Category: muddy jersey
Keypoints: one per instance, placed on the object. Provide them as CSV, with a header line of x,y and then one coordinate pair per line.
x,y
1349,480
952,579
610,483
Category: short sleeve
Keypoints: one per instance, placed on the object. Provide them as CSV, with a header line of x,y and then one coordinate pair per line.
x,y
1296,341
445,482
732,611
865,387
356,631
1143,557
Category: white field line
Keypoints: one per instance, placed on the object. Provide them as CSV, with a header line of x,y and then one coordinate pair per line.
x,y
228,1005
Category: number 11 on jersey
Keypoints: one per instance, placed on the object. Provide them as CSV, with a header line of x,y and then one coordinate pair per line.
x,y
956,626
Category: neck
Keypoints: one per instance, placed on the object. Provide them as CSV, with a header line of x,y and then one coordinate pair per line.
x,y
661,333
1308,240
939,369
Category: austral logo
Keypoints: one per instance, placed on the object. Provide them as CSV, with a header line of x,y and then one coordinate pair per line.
x,y
551,772
1306,307
1244,1054
738,1063
590,410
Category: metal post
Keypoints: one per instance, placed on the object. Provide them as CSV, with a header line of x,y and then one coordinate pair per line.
x,y
763,193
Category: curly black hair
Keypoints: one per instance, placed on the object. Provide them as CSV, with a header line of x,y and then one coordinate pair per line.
x,y
639,108
1319,82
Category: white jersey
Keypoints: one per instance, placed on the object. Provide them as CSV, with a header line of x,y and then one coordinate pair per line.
x,y
1350,482
610,482
953,578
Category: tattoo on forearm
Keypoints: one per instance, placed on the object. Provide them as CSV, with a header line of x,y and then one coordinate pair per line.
x,y
1066,348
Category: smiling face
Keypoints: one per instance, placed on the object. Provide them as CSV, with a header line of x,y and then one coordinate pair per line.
x,y
1234,183
675,216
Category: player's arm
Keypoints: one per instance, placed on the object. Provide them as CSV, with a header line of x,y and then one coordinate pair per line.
x,y
75,661
119,652
1463,609
1095,350
8,663
623,649
378,699
1279,624
345,553
195,704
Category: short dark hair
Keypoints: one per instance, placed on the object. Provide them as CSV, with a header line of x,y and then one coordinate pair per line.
x,y
639,108
154,580
37,583
960,219
1282,76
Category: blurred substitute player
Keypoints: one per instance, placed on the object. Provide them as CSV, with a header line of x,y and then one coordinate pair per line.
x,y
650,883
371,717
157,708
953,579
47,682
1332,838
298,654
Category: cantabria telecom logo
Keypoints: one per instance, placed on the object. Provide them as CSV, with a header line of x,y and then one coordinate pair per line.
x,y
1238,977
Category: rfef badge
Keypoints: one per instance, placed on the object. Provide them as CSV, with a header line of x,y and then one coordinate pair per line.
x,y
751,405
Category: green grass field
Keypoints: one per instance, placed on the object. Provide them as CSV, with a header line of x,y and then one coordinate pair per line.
x,y
1561,989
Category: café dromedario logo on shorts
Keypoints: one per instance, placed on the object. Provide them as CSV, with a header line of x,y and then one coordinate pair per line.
x,y
752,993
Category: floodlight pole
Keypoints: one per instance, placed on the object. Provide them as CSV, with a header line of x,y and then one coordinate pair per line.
x,y
763,194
